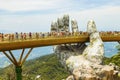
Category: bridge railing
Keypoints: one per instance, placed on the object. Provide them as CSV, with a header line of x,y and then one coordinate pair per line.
x,y
40,35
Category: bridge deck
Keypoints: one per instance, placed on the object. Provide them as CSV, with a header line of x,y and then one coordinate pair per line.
x,y
20,44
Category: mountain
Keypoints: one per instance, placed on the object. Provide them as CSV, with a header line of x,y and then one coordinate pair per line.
x,y
47,67
37,52
114,59
110,50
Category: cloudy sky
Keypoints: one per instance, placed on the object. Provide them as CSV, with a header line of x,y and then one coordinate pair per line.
x,y
37,15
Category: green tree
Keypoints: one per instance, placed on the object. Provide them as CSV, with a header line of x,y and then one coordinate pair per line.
x,y
118,47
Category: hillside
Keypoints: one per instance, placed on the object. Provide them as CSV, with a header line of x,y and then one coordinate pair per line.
x,y
114,59
47,66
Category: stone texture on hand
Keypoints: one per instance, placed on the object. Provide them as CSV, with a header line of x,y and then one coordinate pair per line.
x,y
88,66
84,63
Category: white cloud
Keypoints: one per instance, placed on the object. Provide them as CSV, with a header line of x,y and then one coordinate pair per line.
x,y
21,5
106,17
26,5
26,23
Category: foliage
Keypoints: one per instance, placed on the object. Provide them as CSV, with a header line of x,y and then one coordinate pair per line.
x,y
47,66
114,59
118,47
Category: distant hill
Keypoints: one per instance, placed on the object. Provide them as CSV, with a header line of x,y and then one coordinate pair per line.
x,y
48,67
110,50
114,59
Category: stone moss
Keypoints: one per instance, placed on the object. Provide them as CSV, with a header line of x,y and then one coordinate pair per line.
x,y
85,54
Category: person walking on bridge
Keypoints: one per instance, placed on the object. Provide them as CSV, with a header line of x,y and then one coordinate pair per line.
x,y
2,37
21,35
16,35
30,35
24,36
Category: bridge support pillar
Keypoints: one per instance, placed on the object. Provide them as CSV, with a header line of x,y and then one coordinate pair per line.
x,y
18,65
18,70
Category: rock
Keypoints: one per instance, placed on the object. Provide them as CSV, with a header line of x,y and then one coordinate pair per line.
x,y
91,27
84,63
66,22
74,25
60,24
54,26
74,62
88,66
70,77
37,77
114,66
63,23
64,52
95,50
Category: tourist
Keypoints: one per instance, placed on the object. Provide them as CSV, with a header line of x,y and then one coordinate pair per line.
x,y
21,35
24,36
37,35
30,35
2,37
16,35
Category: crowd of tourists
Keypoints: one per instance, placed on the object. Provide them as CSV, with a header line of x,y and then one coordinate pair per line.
x,y
21,36
38,35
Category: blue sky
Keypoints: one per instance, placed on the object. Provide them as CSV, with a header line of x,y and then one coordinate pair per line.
x,y
37,15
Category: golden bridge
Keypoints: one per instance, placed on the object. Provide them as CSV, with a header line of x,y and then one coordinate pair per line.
x,y
52,40
8,45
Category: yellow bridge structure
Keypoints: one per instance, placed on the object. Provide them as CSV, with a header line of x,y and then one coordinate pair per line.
x,y
46,41
52,40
